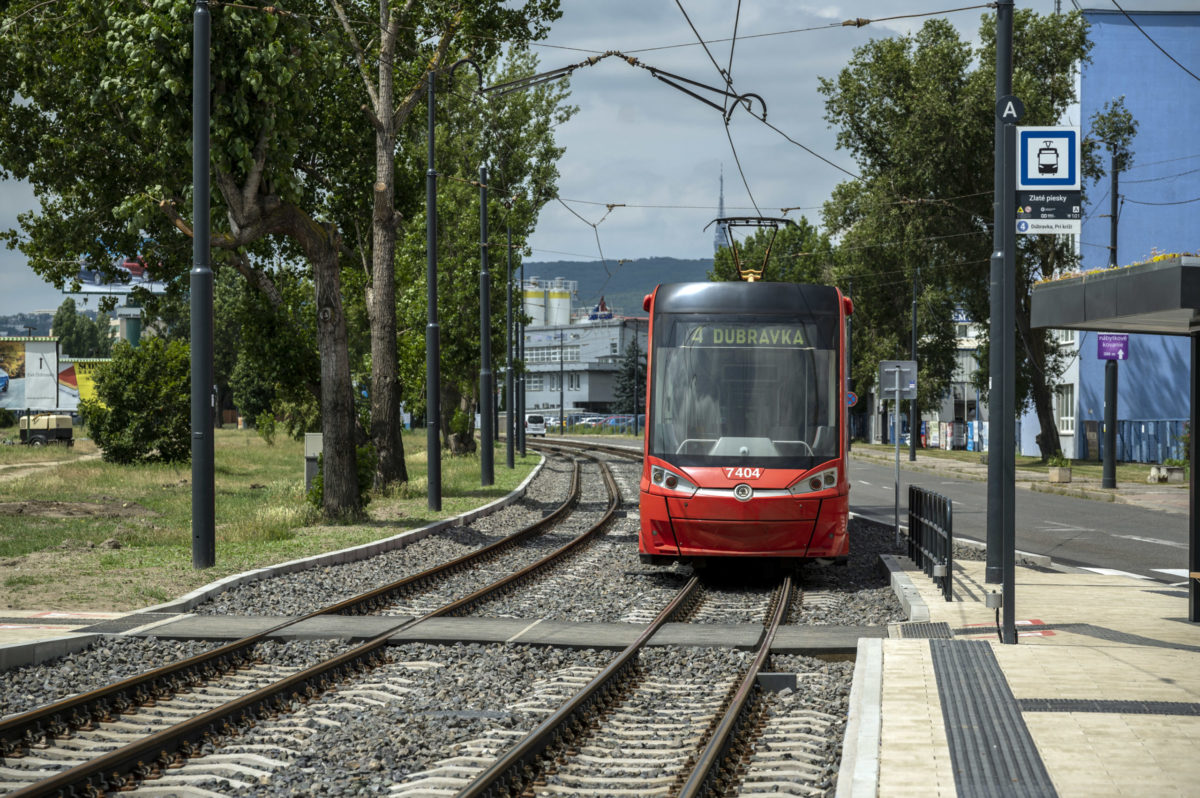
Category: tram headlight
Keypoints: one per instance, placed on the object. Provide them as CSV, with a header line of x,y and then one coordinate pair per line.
x,y
666,478
822,480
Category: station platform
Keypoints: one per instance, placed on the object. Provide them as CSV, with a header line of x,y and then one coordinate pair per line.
x,y
1100,696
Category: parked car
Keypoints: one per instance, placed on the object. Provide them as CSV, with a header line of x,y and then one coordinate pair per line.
x,y
3,381
535,425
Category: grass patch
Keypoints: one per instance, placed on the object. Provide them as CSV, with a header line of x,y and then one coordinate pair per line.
x,y
262,517
1080,469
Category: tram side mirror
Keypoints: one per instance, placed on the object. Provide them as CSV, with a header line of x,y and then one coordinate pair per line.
x,y
646,302
848,305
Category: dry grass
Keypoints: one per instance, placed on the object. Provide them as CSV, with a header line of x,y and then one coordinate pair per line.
x,y
85,534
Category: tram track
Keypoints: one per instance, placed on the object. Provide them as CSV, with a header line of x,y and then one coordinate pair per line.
x,y
127,763
775,742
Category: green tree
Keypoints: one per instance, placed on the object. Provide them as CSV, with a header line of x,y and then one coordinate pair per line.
x,y
78,335
95,112
393,64
515,135
917,114
629,388
142,410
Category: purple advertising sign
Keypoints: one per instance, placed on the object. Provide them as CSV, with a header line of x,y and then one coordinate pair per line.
x,y
1112,346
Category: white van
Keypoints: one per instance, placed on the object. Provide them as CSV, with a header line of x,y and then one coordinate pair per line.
x,y
535,425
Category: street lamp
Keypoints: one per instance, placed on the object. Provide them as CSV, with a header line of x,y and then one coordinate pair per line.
x,y
509,433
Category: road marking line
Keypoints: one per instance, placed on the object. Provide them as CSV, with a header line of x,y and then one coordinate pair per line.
x,y
1183,572
1156,541
1114,572
864,482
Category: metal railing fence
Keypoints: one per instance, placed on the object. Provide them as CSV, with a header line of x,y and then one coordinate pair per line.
x,y
931,537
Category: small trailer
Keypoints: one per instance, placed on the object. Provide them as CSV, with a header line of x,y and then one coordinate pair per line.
x,y
44,428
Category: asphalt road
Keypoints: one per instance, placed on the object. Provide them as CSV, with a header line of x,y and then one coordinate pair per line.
x,y
1079,532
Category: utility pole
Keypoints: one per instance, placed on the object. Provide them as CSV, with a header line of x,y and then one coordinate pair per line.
x,y
201,283
562,426
511,431
433,394
486,395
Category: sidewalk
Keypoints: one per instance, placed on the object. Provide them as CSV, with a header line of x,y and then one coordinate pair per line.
x,y
1100,697
1163,497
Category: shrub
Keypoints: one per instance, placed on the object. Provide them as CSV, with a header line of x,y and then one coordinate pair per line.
x,y
1057,460
7,419
142,412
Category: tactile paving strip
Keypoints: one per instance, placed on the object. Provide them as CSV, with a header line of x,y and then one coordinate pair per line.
x,y
939,630
991,750
1110,707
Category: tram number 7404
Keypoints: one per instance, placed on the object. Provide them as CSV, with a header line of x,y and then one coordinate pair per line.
x,y
743,473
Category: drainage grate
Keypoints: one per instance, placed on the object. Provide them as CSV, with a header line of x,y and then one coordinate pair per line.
x,y
1110,707
991,750
939,630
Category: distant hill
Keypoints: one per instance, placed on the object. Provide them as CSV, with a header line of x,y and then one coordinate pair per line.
x,y
623,285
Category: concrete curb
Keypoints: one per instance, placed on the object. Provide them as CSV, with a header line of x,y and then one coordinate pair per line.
x,y
858,775
906,592
352,554
16,655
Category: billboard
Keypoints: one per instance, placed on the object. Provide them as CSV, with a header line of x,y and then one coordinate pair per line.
x,y
133,273
76,381
29,373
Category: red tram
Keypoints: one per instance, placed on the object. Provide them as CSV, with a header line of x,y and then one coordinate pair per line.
x,y
745,447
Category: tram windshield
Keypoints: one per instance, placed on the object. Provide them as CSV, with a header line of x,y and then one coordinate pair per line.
x,y
743,389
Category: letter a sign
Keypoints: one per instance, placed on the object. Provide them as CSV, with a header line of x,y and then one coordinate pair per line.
x,y
1009,109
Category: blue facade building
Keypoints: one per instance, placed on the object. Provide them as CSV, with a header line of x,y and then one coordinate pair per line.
x,y
1158,212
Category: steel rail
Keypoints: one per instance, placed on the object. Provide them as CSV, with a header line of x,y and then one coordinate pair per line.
x,y
144,758
61,717
706,772
508,774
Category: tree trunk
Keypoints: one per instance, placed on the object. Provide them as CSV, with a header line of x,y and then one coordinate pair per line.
x,y
1043,402
381,304
339,472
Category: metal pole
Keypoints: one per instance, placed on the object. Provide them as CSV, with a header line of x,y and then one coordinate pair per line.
x,y
1108,476
849,382
1008,391
912,403
562,406
521,357
896,435
433,398
487,474
510,431
993,572
203,490
637,361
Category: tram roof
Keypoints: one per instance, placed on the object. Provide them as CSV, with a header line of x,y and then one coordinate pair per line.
x,y
748,298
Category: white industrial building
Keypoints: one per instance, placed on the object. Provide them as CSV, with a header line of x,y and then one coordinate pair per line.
x,y
573,353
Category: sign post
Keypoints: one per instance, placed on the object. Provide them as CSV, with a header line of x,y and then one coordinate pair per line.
x,y
1110,347
897,380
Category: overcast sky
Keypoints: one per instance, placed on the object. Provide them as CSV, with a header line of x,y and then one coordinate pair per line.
x,y
640,143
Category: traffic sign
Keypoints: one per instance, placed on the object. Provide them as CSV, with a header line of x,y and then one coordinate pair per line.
x,y
1010,109
906,371
1112,346
851,399
1048,158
